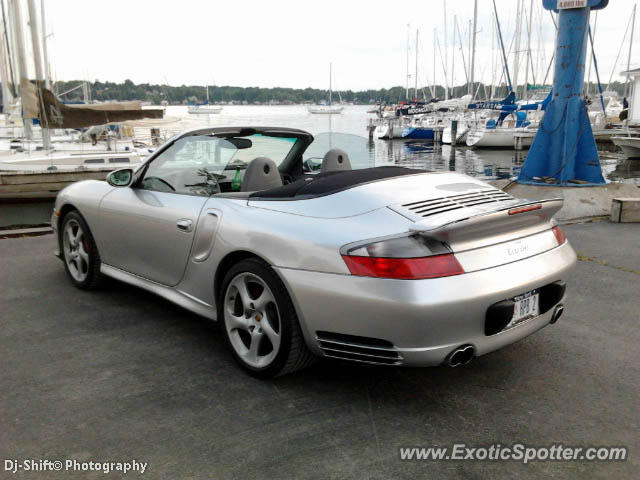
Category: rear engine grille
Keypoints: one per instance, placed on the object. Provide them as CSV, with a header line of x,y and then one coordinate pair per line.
x,y
434,206
358,349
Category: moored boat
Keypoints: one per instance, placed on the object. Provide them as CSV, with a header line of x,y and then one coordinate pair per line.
x,y
630,146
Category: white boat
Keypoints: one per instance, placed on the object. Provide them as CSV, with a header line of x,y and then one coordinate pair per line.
x,y
204,108
496,134
461,134
328,108
482,137
630,146
24,176
388,131
39,161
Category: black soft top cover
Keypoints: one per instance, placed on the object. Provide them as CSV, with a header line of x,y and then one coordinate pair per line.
x,y
331,182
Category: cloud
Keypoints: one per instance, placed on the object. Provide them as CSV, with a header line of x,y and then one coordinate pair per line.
x,y
290,43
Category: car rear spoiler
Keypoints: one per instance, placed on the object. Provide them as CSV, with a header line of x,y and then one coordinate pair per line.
x,y
471,223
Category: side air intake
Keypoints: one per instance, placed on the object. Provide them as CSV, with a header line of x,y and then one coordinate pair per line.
x,y
358,349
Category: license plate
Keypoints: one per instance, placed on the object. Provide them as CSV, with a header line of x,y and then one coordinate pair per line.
x,y
526,306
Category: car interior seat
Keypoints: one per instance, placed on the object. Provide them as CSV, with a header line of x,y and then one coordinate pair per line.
x,y
335,160
261,174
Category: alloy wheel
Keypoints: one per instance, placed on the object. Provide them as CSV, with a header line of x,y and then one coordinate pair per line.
x,y
252,319
75,247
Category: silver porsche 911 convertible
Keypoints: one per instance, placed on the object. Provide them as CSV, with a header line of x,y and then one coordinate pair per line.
x,y
301,250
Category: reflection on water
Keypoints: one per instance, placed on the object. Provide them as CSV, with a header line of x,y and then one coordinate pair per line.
x,y
438,157
486,164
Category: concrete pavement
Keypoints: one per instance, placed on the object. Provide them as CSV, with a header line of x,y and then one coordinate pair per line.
x,y
120,374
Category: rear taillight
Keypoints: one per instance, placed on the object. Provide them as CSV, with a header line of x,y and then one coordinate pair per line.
x,y
404,268
405,257
559,235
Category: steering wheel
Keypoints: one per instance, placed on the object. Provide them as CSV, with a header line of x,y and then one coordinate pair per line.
x,y
308,165
159,180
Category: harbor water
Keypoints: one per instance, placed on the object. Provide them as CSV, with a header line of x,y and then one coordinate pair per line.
x,y
484,164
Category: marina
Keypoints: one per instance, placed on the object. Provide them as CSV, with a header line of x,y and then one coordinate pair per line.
x,y
268,275
436,155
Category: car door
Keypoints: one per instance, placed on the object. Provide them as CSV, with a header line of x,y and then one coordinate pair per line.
x,y
148,229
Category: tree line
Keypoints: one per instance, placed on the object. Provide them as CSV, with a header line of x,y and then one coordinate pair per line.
x,y
184,94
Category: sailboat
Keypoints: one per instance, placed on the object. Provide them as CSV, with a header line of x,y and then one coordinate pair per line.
x,y
204,108
326,108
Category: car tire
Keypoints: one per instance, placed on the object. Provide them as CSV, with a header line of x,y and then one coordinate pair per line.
x,y
259,322
79,252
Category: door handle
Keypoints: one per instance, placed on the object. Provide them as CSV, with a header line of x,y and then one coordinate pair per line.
x,y
184,225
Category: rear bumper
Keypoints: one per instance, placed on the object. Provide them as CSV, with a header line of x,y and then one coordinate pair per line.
x,y
423,319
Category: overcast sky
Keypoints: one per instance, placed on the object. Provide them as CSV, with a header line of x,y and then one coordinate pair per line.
x,y
290,43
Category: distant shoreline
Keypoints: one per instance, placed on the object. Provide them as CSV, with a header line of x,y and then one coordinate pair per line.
x,y
185,94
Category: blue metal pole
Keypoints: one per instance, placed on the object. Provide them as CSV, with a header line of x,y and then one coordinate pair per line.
x,y
564,148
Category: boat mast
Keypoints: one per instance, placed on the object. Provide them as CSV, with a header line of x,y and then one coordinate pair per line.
x,y
330,92
37,60
433,85
473,48
45,55
7,94
207,94
464,61
453,53
14,7
525,93
416,79
516,53
407,62
468,64
504,53
633,25
446,58
593,36
493,56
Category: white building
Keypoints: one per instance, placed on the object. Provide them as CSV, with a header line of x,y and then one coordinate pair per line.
x,y
634,96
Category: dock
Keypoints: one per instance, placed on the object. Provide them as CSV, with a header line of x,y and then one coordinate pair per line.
x,y
42,183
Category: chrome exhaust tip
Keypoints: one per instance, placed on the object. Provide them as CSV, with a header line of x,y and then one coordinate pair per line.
x,y
460,356
557,313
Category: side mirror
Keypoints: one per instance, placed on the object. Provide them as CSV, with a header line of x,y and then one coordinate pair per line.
x,y
120,178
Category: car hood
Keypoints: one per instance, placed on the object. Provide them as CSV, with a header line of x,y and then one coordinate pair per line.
x,y
371,196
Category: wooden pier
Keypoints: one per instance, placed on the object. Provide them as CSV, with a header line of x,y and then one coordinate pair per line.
x,y
25,184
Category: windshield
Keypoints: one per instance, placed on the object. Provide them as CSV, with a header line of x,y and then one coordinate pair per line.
x,y
206,164
361,153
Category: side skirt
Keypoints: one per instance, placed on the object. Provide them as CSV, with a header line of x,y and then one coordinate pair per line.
x,y
182,299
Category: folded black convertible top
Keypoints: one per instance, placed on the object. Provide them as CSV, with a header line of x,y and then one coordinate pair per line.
x,y
332,182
